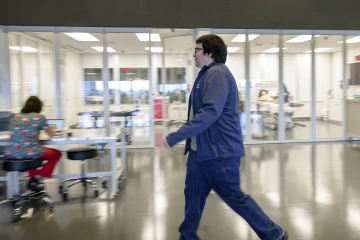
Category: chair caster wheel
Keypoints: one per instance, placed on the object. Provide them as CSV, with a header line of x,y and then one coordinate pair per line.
x,y
61,189
15,218
96,193
51,209
65,196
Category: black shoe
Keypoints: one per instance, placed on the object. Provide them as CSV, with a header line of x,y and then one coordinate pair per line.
x,y
35,185
285,235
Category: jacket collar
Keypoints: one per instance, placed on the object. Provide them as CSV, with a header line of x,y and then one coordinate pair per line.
x,y
206,67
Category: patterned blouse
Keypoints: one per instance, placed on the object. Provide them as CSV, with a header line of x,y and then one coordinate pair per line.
x,y
24,136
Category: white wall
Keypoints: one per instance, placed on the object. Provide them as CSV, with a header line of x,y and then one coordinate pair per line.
x,y
72,86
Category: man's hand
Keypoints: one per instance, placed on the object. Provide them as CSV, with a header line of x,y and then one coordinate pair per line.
x,y
165,144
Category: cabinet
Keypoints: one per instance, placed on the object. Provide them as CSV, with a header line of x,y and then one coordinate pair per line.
x,y
353,117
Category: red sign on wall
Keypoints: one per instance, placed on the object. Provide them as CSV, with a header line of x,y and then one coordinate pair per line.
x,y
357,58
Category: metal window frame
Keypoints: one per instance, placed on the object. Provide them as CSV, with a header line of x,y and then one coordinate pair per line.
x,y
5,61
164,36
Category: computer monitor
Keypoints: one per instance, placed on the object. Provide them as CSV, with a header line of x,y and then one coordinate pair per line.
x,y
5,116
59,123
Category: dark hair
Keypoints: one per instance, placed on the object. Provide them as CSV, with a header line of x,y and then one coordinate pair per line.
x,y
261,91
33,104
215,45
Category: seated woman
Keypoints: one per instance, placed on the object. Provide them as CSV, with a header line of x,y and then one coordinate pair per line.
x,y
24,130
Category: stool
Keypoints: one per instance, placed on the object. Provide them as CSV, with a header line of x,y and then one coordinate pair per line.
x,y
22,165
80,154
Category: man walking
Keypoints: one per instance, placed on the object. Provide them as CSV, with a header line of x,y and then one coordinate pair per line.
x,y
214,144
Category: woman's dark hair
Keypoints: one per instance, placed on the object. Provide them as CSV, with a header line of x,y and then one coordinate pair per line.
x,y
262,92
33,104
215,45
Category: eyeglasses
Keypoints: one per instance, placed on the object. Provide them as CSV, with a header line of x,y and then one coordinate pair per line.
x,y
198,49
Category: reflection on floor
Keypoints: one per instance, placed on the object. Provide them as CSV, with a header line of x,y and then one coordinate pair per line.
x,y
313,190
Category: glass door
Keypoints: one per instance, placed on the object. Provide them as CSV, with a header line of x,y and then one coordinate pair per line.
x,y
174,80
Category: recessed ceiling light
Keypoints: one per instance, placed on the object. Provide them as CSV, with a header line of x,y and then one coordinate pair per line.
x,y
155,49
100,49
317,50
28,49
144,37
272,50
299,39
241,38
83,37
232,49
352,40
16,48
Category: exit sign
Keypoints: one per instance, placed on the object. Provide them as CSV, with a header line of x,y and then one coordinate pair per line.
x,y
357,58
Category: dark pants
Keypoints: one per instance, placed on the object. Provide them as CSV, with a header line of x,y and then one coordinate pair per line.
x,y
222,175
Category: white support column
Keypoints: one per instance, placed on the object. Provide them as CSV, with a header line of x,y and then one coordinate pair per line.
x,y
151,102
21,70
5,84
38,69
163,82
105,78
345,86
247,90
313,90
57,90
281,122
116,79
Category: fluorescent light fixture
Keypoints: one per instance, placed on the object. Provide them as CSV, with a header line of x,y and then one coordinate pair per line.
x,y
232,49
155,49
241,38
100,49
144,37
318,50
24,49
16,48
317,35
91,73
29,49
352,40
83,37
300,39
272,50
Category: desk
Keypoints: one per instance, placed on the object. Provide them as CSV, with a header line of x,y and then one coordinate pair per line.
x,y
125,114
80,136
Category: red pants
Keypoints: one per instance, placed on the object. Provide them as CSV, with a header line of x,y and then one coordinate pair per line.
x,y
52,156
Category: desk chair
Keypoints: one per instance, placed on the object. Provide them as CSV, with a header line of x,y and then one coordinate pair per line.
x,y
18,201
80,154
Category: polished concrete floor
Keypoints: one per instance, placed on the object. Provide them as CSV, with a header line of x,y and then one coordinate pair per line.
x,y
301,131
313,190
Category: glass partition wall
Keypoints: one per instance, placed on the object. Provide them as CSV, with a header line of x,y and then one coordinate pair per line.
x,y
293,85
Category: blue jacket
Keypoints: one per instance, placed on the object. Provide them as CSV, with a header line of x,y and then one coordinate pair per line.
x,y
216,122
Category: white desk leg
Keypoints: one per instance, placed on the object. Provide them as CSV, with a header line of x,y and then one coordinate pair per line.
x,y
123,158
9,185
16,183
113,169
